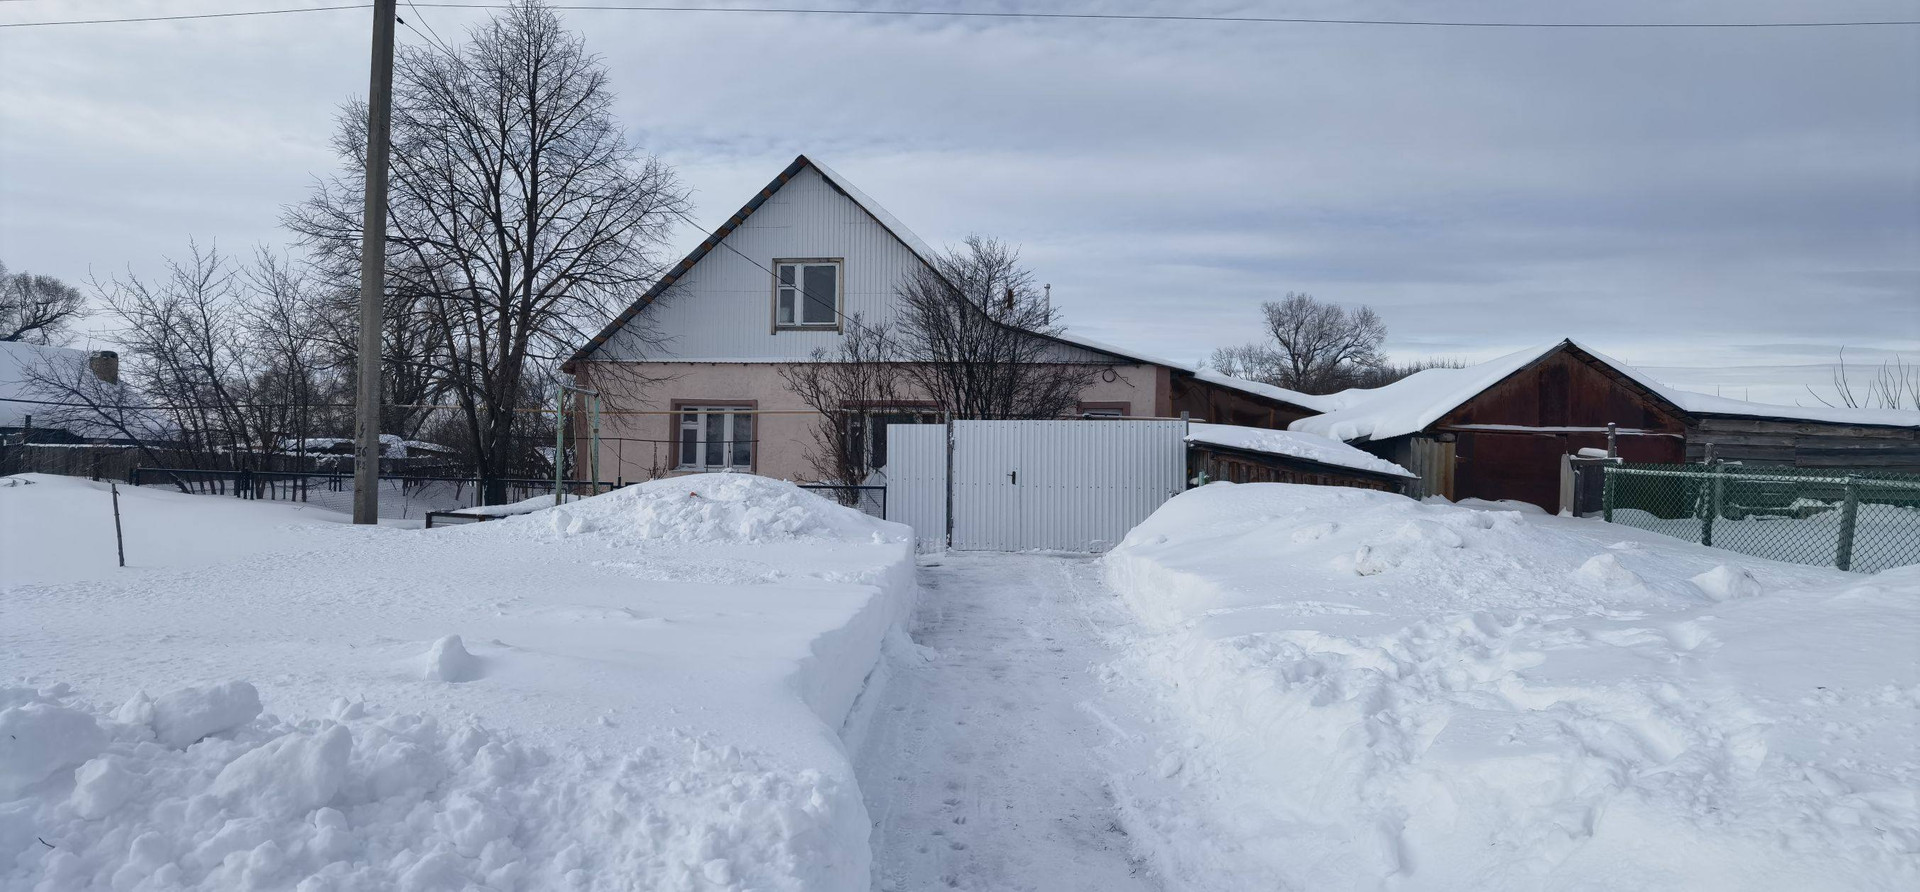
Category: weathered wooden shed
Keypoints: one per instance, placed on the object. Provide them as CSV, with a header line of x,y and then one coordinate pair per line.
x,y
1498,430
1238,454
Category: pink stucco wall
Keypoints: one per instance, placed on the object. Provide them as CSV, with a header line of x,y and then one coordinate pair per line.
x,y
638,426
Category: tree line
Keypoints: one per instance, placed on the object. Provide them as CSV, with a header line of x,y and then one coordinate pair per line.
x,y
520,218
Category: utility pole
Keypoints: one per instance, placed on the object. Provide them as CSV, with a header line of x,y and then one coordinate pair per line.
x,y
373,269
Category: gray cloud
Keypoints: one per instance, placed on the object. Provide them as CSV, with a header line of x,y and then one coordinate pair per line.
x,y
1680,198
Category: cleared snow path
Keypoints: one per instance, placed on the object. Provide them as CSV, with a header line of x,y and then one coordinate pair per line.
x,y
983,766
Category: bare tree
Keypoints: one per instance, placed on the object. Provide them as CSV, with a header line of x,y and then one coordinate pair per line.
x,y
1894,385
37,309
1311,347
520,216
861,375
216,361
976,336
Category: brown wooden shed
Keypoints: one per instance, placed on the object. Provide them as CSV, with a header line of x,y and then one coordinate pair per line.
x,y
1498,430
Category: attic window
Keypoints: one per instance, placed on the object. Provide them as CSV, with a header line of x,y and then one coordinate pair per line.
x,y
806,294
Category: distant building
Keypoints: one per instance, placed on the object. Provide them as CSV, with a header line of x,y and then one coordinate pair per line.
x,y
29,413
1498,430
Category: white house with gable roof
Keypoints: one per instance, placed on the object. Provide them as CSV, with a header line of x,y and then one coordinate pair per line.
x,y
776,282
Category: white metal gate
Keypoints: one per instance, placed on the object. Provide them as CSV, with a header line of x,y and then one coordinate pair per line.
x,y
917,481
1057,485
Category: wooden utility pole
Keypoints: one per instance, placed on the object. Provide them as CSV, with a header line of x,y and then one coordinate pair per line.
x,y
373,269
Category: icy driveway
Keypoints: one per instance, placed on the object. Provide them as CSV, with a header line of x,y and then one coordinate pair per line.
x,y
984,767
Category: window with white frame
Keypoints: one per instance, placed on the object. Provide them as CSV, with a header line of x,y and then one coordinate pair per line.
x,y
806,293
716,438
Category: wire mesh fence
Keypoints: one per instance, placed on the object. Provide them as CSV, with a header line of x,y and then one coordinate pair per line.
x,y
1854,520
403,497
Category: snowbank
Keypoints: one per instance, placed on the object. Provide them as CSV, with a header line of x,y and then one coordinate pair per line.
x,y
1311,447
574,698
732,508
1368,691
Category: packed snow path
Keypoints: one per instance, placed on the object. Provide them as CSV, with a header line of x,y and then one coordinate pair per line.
x,y
982,767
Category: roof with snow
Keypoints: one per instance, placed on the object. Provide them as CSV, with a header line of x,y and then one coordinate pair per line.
x,y
1292,444
1420,399
16,359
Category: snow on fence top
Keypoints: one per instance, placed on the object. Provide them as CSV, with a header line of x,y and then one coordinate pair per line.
x,y
1293,444
1420,399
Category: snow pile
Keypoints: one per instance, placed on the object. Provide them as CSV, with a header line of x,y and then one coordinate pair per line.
x,y
1369,691
615,705
358,801
1294,444
716,508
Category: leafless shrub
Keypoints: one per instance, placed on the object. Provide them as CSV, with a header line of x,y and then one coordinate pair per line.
x,y
862,374
1894,385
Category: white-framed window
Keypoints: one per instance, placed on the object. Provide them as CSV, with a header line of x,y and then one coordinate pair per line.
x,y
806,293
715,438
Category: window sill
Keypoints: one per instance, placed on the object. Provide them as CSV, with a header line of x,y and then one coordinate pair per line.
x,y
824,326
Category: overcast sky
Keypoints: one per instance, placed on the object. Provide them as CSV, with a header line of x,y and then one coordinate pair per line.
x,y
1741,200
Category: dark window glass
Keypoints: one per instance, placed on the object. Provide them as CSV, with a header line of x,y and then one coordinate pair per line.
x,y
821,285
742,440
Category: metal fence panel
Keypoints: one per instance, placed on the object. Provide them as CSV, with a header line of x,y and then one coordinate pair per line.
x,y
917,481
1853,520
1061,485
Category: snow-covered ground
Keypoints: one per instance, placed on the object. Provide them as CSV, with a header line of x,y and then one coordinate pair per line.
x,y
1358,691
645,690
60,529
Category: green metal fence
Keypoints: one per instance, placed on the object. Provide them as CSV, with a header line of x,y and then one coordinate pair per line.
x,y
1853,520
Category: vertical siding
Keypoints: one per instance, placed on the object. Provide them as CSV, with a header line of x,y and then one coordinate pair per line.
x,y
917,481
1080,485
722,309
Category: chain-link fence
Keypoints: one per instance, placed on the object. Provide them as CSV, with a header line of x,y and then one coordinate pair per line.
x,y
1865,521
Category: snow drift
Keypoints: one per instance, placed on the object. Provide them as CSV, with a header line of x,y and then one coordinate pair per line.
x,y
1370,692
645,689
719,508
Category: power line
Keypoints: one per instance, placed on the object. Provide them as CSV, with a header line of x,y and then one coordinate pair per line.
x,y
998,14
187,16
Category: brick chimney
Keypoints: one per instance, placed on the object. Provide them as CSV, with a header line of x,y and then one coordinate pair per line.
x,y
105,365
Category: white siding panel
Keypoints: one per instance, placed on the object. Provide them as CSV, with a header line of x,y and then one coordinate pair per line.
x,y
1061,485
917,481
722,309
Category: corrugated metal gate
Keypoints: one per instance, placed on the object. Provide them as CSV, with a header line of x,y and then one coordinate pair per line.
x,y
917,481
1056,485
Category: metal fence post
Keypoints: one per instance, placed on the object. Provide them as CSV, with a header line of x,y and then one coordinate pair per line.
x,y
1849,513
1607,475
1714,495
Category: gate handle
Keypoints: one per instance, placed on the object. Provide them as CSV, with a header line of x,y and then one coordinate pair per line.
x,y
1013,477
